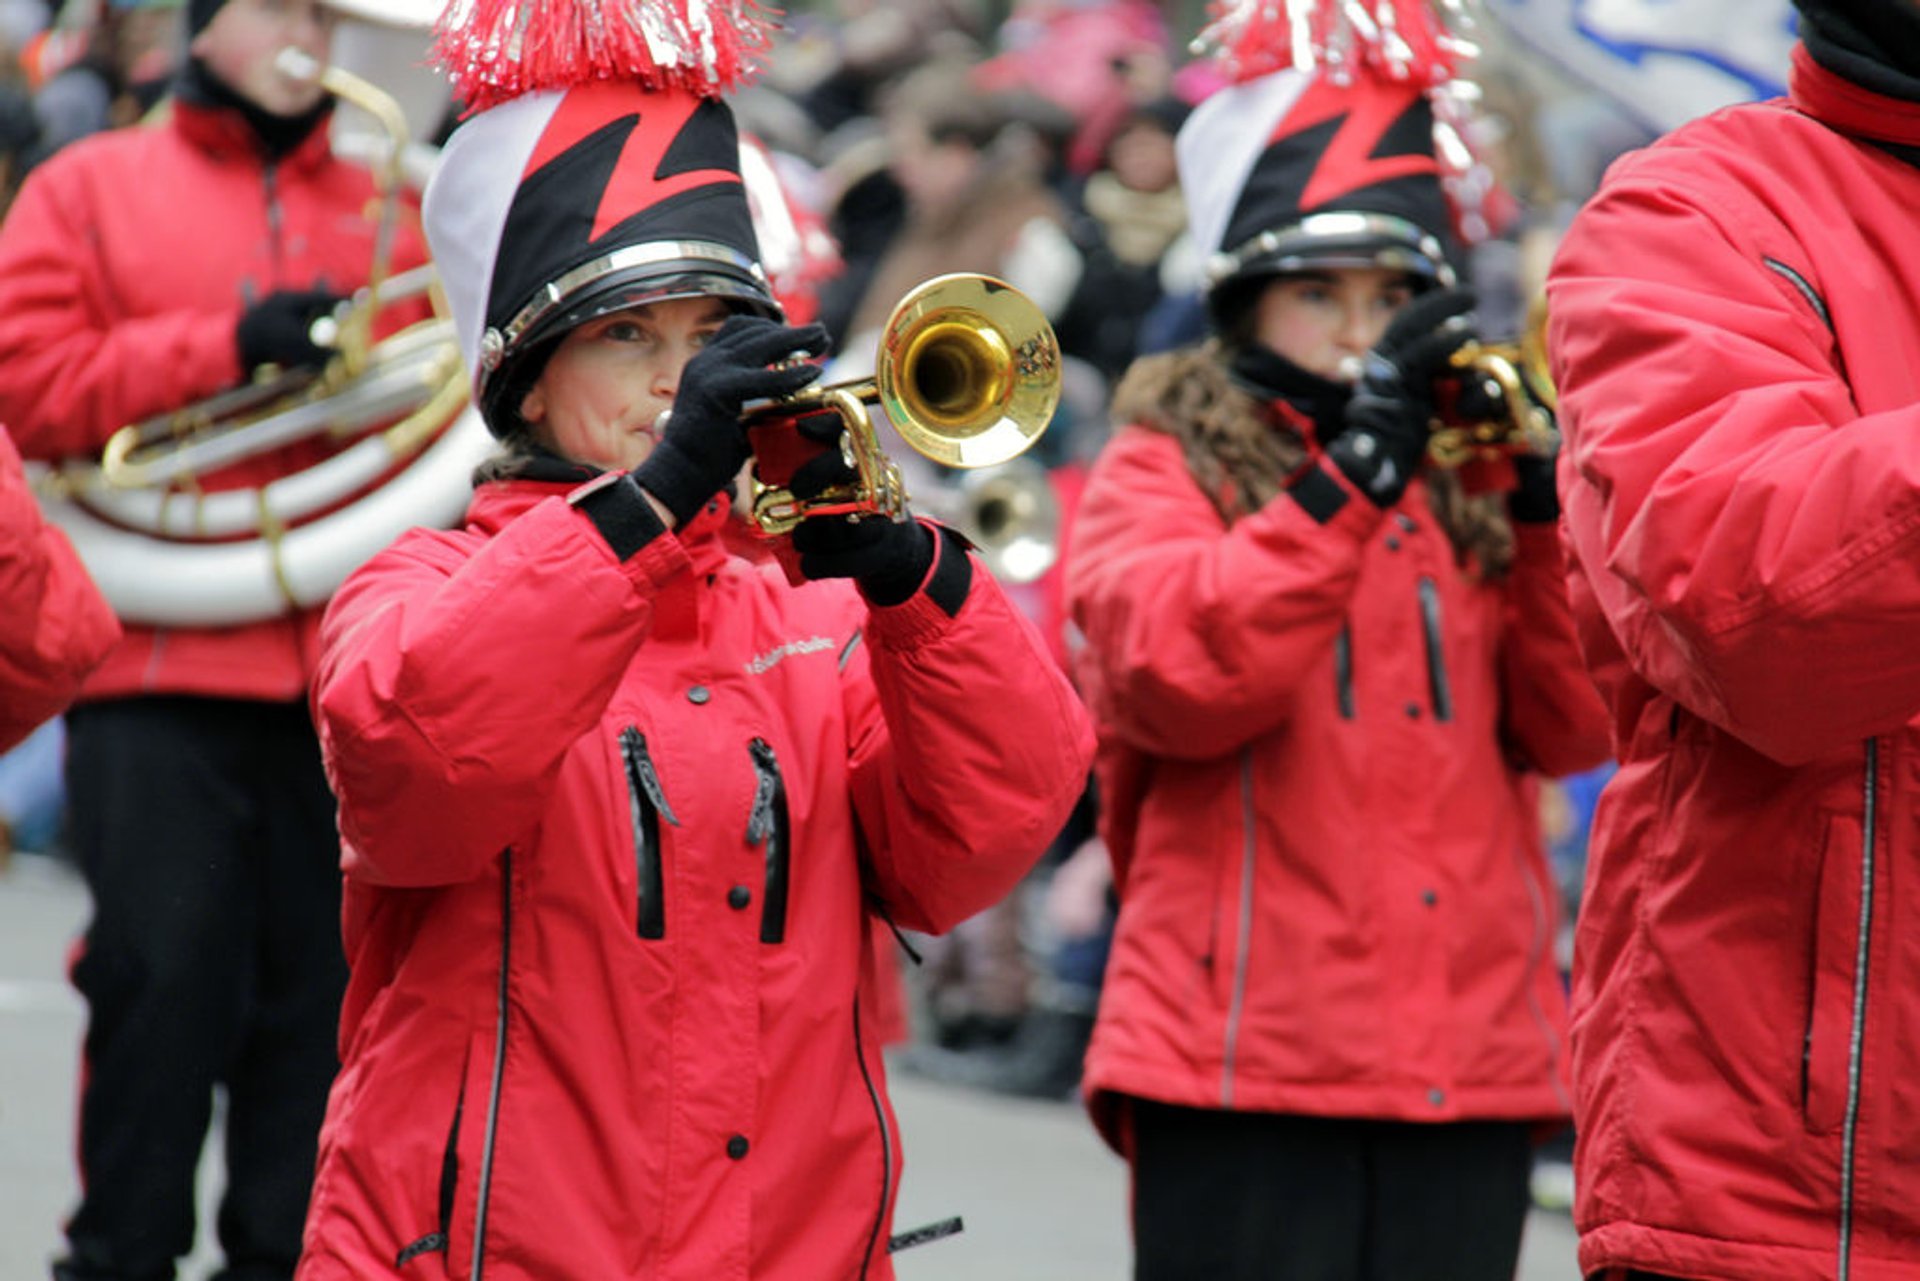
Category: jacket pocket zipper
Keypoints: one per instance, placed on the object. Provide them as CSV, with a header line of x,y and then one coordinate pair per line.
x,y
768,823
435,1242
648,802
1437,683
1343,671
886,1139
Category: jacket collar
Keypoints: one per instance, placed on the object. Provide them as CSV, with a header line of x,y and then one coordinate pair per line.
x,y
1841,104
497,503
225,135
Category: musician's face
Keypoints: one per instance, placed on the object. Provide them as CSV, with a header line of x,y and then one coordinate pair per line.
x,y
244,37
1325,320
598,398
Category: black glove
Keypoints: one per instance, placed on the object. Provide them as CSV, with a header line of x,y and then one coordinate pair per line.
x,y
277,330
1391,412
705,443
1534,501
887,559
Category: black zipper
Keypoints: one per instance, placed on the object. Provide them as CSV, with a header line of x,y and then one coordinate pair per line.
x,y
1438,686
435,1242
648,802
1343,670
886,1139
483,1198
768,823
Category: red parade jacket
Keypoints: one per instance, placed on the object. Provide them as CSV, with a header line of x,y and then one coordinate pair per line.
x,y
613,831
54,625
125,265
1318,740
1736,330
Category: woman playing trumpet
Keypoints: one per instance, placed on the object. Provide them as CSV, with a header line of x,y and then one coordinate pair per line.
x,y
1324,683
622,813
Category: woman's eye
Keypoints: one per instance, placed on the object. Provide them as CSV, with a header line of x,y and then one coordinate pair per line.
x,y
625,331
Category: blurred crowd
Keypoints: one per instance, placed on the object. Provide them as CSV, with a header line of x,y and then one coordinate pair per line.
x,y
916,138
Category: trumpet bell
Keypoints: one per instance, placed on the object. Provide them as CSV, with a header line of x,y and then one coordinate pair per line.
x,y
968,370
1009,513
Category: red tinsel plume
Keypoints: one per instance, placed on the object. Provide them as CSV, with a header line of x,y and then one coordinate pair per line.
x,y
1400,39
495,50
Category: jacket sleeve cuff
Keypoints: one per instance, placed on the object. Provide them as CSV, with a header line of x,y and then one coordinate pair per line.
x,y
931,609
620,511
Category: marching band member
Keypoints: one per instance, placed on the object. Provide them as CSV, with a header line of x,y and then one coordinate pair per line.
x,y
621,813
1326,678
142,270
1736,329
55,627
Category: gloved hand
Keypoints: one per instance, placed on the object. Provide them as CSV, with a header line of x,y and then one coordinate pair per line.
x,y
887,559
1391,411
277,329
1535,500
705,443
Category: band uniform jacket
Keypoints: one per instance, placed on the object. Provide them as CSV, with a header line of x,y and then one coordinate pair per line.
x,y
54,624
125,265
1319,746
616,837
1736,326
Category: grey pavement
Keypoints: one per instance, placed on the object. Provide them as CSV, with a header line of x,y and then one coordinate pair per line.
x,y
1042,1199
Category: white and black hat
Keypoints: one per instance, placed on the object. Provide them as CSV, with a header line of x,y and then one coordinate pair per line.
x,y
1325,150
597,175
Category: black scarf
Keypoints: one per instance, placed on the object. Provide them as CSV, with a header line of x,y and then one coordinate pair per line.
x,y
1873,43
278,136
1268,376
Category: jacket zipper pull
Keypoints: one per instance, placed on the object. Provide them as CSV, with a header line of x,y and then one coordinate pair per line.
x,y
766,777
650,778
768,823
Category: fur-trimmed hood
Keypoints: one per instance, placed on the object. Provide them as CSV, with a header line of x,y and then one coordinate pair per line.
x,y
1241,451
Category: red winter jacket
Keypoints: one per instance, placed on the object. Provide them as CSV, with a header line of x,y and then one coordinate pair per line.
x,y
612,833
1318,743
125,264
54,625
1736,331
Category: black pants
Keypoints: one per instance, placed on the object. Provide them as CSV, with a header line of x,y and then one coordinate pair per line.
x,y
205,831
1248,1196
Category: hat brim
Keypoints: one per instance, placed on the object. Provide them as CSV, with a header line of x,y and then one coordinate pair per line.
x,y
616,292
668,285
1336,240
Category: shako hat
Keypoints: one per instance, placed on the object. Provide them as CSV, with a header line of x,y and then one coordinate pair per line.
x,y
1332,144
600,170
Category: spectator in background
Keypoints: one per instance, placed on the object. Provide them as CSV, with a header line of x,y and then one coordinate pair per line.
x,y
118,60
1129,213
976,200
19,140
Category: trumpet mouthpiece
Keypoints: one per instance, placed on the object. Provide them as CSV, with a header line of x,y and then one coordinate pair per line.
x,y
297,64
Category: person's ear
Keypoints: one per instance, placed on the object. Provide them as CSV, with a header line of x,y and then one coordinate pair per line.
x,y
533,406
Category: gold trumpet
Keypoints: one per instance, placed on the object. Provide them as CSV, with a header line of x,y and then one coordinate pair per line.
x,y
967,371
1518,372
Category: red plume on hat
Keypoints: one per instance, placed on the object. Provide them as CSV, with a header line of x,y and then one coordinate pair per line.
x,y
499,49
1413,40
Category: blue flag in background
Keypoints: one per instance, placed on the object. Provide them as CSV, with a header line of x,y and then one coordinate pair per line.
x,y
1663,61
